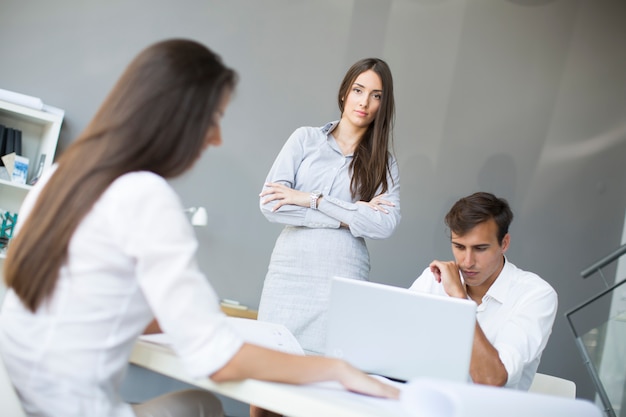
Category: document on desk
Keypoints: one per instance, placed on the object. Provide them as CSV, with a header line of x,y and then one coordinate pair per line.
x,y
269,335
438,398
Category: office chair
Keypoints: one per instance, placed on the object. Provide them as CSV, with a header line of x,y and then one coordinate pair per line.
x,y
553,385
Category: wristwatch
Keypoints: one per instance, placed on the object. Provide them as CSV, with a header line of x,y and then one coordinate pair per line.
x,y
315,195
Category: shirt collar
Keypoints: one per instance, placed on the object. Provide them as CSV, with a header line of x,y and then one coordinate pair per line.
x,y
500,287
329,127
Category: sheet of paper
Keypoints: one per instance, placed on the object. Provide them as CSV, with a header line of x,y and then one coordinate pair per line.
x,y
269,335
9,162
437,398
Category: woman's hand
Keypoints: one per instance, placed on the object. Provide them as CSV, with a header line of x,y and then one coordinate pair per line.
x,y
356,381
256,362
284,195
377,203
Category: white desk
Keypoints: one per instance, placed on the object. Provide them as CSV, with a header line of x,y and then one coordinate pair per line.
x,y
290,400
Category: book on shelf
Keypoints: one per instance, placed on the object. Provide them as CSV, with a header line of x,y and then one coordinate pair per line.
x,y
9,144
10,141
20,169
16,167
17,144
3,141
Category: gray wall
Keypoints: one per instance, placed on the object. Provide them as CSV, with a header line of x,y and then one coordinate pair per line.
x,y
523,98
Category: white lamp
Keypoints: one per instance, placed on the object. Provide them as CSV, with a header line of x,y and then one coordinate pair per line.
x,y
199,216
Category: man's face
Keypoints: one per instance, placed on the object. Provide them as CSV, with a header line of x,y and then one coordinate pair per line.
x,y
479,255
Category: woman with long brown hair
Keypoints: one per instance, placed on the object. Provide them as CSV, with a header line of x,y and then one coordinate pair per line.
x,y
332,186
103,248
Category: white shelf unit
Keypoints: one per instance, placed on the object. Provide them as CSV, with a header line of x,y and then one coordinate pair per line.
x,y
40,135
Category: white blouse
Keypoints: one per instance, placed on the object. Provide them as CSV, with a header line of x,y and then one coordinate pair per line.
x,y
131,258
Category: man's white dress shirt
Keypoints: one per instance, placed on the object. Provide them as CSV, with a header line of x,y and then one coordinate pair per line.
x,y
516,315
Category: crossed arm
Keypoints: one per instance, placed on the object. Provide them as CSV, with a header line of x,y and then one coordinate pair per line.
x,y
284,195
378,218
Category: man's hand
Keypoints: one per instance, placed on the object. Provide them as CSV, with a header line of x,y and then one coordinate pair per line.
x,y
447,273
485,365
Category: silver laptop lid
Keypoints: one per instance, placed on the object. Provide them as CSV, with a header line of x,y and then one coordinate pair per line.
x,y
398,333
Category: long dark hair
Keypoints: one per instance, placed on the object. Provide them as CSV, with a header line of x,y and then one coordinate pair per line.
x,y
370,164
155,118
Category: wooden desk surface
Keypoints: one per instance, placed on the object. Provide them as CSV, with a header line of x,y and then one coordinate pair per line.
x,y
239,312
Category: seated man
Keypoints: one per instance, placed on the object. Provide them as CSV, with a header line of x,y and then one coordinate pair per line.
x,y
516,309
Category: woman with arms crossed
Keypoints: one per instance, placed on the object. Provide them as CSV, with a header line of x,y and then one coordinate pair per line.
x,y
332,186
104,247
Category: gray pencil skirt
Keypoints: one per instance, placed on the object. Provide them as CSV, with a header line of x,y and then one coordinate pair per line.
x,y
297,285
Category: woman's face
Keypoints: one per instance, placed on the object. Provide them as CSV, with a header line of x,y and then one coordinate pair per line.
x,y
363,99
214,134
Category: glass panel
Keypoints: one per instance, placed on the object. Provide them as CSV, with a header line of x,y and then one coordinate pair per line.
x,y
600,329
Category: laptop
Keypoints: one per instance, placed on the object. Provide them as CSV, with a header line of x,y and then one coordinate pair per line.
x,y
398,333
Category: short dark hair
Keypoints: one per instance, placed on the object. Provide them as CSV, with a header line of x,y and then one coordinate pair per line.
x,y
478,208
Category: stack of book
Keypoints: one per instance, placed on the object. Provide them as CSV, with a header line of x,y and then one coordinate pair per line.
x,y
14,166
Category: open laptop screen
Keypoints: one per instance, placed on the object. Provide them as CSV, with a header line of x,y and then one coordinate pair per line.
x,y
398,333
